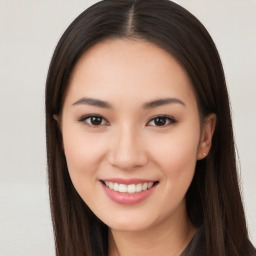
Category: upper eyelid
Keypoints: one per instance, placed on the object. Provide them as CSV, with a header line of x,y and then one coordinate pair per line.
x,y
164,116
171,120
91,115
84,117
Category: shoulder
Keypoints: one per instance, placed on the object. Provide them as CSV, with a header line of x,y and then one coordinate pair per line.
x,y
197,244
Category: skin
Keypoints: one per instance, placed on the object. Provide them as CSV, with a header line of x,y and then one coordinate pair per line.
x,y
129,143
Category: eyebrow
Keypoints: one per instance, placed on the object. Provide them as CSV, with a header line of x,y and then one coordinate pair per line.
x,y
92,102
147,105
160,102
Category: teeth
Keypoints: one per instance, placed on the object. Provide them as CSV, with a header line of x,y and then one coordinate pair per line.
x,y
144,186
131,189
111,185
122,188
138,188
150,185
116,186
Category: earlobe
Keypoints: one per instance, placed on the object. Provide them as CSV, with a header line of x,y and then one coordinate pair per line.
x,y
206,136
56,117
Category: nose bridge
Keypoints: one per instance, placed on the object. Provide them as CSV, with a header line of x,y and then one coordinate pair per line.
x,y
127,150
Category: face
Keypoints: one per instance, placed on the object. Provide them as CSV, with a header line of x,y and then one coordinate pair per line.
x,y
131,133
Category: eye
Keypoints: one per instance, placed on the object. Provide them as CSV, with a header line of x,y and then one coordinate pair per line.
x,y
93,120
161,121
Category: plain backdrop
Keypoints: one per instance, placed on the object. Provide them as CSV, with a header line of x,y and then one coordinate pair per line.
x,y
29,31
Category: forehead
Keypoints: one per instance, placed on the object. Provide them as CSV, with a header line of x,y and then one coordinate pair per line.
x,y
126,69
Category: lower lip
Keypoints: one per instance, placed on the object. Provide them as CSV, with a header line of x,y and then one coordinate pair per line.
x,y
126,198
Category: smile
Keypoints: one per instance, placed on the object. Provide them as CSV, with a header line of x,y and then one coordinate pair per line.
x,y
131,188
128,192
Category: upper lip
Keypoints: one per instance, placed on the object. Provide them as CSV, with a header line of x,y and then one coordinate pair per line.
x,y
128,181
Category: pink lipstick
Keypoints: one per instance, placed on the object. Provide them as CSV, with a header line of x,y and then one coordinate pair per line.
x,y
128,192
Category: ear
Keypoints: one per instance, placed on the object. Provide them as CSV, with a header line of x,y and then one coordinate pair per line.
x,y
56,117
206,136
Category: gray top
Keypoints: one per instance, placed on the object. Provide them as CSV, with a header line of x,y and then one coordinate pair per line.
x,y
197,246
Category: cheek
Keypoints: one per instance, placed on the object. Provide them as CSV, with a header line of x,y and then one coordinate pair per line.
x,y
82,153
176,156
176,160
176,152
83,158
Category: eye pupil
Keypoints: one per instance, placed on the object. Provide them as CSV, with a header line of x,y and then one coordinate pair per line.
x,y
96,120
160,121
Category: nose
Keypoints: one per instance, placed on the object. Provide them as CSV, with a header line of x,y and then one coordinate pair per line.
x,y
127,150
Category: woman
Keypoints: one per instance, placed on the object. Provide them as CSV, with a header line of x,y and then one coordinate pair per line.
x,y
140,147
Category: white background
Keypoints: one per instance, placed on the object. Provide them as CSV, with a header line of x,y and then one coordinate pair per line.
x,y
29,31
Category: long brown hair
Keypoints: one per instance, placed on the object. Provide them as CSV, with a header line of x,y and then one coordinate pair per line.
x,y
213,199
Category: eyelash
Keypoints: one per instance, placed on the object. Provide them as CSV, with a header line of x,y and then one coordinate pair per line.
x,y
90,116
168,119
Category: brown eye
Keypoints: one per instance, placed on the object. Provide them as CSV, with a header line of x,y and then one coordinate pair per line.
x,y
93,120
161,121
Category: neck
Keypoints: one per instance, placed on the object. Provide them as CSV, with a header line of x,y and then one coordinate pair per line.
x,y
170,236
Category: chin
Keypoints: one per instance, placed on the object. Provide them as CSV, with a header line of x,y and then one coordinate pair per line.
x,y
130,224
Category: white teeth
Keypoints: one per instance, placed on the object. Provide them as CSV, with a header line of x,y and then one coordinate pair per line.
x,y
111,185
138,188
131,189
150,185
122,188
116,186
145,186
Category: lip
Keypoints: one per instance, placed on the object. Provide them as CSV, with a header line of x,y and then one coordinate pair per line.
x,y
126,198
128,181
